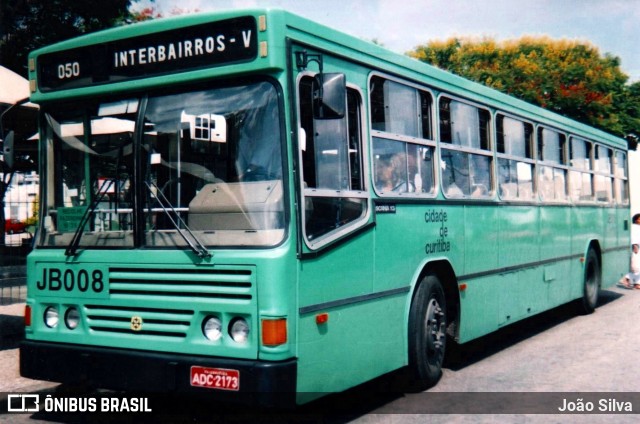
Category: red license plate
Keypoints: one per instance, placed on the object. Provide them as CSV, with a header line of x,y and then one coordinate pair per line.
x,y
215,378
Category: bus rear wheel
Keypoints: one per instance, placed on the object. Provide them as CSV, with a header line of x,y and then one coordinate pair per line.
x,y
591,287
427,333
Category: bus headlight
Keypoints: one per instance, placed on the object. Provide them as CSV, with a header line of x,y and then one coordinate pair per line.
x,y
212,328
51,317
72,318
239,330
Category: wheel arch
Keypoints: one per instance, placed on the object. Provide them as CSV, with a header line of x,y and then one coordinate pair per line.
x,y
443,269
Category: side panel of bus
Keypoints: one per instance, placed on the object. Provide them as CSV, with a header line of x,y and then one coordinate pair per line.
x,y
510,260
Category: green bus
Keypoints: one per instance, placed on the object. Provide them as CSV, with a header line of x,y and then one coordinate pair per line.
x,y
250,205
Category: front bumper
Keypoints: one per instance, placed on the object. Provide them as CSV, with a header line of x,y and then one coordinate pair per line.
x,y
261,382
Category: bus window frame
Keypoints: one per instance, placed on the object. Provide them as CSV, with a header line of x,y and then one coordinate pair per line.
x,y
603,174
573,170
406,139
564,165
489,152
511,157
322,241
621,194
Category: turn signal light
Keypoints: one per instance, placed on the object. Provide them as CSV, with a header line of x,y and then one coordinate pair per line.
x,y
274,331
322,318
27,316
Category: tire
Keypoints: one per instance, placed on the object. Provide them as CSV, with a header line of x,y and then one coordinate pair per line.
x,y
591,285
427,334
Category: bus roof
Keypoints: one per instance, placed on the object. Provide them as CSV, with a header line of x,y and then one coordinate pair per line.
x,y
406,67
280,24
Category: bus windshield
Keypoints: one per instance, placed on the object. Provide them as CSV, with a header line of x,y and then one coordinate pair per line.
x,y
210,171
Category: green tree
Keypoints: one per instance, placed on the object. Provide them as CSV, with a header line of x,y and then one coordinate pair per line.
x,y
568,77
26,25
629,106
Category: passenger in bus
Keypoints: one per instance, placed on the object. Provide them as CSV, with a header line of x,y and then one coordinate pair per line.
x,y
479,190
632,279
453,190
455,176
391,175
384,175
453,187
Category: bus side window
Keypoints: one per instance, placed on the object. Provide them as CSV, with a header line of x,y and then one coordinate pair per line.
x,y
401,121
465,156
580,177
515,158
331,154
621,180
603,180
552,174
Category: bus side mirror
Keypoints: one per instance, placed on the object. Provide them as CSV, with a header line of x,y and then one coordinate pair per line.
x,y
7,149
331,97
632,142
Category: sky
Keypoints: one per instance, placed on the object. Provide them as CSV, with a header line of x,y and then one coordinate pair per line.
x,y
613,26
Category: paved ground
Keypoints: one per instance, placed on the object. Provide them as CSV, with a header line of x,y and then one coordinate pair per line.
x,y
12,295
11,332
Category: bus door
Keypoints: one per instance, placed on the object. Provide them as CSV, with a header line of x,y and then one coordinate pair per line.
x,y
336,267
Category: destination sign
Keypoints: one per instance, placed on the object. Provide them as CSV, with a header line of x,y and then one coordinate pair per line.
x,y
195,47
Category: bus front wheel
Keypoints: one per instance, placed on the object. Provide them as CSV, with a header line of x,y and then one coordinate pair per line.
x,y
427,333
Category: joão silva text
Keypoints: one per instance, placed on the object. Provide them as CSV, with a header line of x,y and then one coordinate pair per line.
x,y
604,405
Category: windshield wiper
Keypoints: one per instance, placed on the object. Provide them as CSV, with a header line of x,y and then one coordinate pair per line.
x,y
72,248
195,245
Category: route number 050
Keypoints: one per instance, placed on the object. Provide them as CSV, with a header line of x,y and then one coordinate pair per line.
x,y
68,70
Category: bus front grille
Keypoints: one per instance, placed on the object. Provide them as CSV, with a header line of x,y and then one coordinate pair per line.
x,y
139,320
230,284
141,299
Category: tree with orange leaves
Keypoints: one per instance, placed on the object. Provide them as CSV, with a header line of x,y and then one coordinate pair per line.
x,y
569,77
